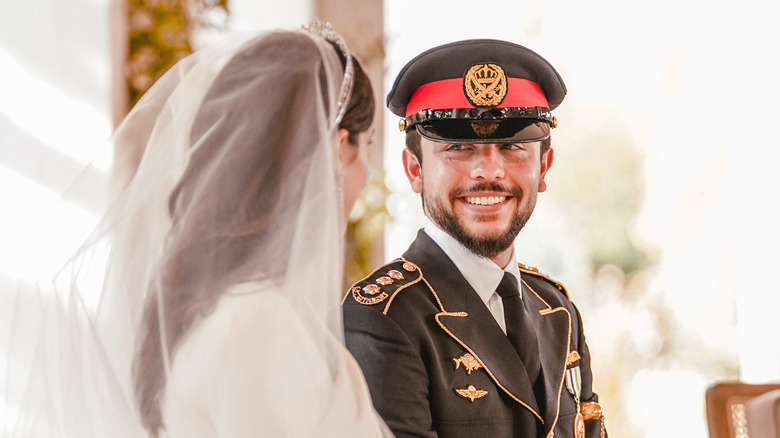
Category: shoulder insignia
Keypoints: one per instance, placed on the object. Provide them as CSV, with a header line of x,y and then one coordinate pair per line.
x,y
535,272
384,282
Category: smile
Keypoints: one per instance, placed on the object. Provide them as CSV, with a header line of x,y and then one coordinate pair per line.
x,y
485,200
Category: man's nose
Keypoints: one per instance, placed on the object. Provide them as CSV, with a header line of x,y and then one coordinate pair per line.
x,y
487,163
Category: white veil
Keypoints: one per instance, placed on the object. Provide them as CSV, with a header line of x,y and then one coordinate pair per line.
x,y
239,182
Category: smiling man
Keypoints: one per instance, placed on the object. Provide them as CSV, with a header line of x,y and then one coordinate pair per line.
x,y
455,338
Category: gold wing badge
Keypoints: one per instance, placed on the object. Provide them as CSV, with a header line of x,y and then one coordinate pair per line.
x,y
471,393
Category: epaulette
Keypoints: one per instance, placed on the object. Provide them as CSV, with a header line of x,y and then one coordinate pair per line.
x,y
535,272
384,282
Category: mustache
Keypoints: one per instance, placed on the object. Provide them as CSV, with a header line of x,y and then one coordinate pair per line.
x,y
486,186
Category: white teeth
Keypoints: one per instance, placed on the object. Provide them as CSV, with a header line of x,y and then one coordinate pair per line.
x,y
485,200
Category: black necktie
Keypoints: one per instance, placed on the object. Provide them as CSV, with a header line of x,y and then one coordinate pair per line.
x,y
518,327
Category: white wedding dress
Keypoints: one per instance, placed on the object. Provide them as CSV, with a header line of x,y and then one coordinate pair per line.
x,y
273,381
207,301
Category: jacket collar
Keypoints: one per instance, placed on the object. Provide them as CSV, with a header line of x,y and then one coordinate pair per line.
x,y
466,319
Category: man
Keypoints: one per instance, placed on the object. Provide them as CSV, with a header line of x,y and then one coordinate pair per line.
x,y
456,339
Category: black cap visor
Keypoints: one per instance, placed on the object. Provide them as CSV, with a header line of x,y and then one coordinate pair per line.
x,y
484,131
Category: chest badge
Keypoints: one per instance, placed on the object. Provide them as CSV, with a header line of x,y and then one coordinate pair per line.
x,y
471,393
469,362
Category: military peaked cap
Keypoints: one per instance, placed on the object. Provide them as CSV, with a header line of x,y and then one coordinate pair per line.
x,y
478,91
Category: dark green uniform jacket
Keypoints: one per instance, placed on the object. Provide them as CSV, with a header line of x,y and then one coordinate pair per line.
x,y
438,364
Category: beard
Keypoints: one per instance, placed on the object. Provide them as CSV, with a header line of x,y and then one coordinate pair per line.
x,y
482,246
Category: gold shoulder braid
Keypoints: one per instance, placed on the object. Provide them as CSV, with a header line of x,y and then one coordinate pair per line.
x,y
384,282
535,272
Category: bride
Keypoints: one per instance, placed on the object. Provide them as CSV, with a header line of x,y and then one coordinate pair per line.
x,y
218,313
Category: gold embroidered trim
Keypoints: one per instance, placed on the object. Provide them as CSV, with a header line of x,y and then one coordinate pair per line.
x,y
534,271
549,311
411,267
368,301
487,370
351,291
374,289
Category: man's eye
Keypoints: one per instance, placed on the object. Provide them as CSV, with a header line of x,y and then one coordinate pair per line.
x,y
511,146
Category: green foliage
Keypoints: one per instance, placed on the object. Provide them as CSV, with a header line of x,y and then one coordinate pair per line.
x,y
365,228
161,33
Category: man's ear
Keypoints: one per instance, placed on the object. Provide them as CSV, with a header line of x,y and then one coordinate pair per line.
x,y
413,170
547,160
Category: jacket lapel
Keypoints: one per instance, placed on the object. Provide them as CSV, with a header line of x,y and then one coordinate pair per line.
x,y
553,328
466,319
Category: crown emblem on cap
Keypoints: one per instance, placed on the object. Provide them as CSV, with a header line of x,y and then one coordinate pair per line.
x,y
485,84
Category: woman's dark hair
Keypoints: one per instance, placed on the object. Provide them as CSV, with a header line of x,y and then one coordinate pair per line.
x,y
360,110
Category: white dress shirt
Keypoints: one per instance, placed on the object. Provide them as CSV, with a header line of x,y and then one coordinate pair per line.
x,y
481,273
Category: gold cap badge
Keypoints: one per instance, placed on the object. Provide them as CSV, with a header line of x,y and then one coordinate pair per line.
x,y
485,85
471,393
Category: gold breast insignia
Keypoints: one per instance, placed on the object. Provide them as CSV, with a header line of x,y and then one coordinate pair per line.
x,y
469,362
471,393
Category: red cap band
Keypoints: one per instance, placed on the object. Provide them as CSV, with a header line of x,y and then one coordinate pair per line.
x,y
448,93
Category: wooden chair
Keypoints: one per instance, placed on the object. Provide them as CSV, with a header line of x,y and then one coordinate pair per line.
x,y
727,410
763,415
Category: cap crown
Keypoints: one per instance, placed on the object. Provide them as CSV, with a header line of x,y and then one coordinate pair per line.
x,y
455,60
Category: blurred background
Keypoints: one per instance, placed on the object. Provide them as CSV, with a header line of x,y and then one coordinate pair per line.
x,y
659,216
